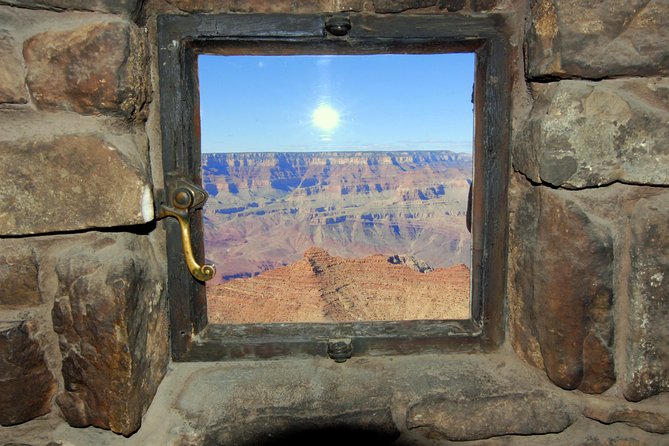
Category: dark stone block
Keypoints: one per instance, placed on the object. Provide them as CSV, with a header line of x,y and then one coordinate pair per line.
x,y
564,278
391,6
110,316
26,384
647,371
18,276
570,38
451,5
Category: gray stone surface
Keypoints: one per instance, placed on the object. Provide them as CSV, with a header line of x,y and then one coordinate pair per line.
x,y
96,68
234,403
563,276
573,38
483,417
585,134
110,317
124,7
18,275
385,6
26,384
12,74
647,371
651,417
68,183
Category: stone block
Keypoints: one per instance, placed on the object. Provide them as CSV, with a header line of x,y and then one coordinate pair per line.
x,y
649,417
451,5
528,413
124,7
26,384
18,275
483,5
647,371
392,6
217,6
110,317
565,279
572,38
96,68
12,75
69,183
585,134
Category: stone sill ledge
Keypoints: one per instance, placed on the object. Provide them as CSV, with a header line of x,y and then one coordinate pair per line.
x,y
400,400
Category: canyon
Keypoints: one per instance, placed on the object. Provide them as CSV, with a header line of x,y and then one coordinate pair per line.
x,y
323,288
266,209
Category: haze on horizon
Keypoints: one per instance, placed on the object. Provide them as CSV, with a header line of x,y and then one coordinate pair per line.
x,y
379,103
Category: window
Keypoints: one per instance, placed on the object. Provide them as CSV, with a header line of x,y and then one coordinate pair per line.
x,y
184,38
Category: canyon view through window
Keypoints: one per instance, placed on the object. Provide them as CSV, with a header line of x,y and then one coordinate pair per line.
x,y
338,186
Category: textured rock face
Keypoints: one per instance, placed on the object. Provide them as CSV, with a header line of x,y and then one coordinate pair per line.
x,y
525,413
12,76
97,68
49,186
571,38
126,7
384,6
564,273
584,134
352,204
26,384
648,344
323,288
18,277
109,313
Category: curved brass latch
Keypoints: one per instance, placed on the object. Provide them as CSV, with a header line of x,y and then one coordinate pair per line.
x,y
184,198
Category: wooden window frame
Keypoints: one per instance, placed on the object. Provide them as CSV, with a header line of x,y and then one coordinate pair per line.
x,y
182,37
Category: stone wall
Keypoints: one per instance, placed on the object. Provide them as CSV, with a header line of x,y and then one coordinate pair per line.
x,y
83,313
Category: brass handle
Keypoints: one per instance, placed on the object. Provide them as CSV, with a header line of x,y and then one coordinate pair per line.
x,y
186,197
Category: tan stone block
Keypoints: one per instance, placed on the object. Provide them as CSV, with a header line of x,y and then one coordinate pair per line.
x,y
97,68
12,75
69,183
124,7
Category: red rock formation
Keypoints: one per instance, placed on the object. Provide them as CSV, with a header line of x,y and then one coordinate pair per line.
x,y
323,288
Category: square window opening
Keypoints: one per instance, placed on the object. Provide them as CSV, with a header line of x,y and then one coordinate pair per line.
x,y
255,191
338,186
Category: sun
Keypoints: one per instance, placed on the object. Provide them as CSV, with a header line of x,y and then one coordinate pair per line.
x,y
325,118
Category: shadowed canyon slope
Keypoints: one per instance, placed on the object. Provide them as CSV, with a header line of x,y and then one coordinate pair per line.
x,y
266,209
323,288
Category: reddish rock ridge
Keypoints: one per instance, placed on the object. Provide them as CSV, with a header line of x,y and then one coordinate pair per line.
x,y
324,288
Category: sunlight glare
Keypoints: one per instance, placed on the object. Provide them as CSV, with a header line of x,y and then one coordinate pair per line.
x,y
325,118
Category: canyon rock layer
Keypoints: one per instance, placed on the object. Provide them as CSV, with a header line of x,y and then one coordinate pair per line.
x,y
323,288
266,209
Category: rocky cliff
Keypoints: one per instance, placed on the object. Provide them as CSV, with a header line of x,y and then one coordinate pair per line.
x,y
266,209
324,288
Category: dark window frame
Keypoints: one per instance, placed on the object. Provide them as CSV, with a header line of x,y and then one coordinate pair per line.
x,y
182,37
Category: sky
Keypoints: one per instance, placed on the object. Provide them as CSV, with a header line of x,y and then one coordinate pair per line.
x,y
336,103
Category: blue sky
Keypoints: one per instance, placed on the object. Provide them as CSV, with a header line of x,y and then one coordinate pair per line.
x,y
379,102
